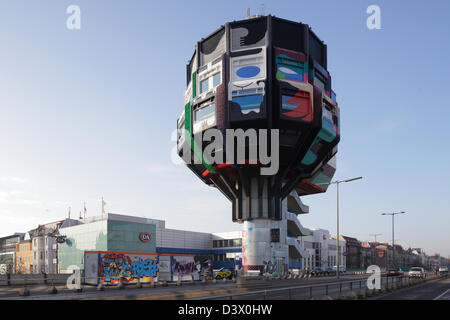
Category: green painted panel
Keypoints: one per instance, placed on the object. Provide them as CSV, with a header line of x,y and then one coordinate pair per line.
x,y
124,236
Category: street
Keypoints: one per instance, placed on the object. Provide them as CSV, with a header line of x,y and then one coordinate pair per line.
x,y
433,290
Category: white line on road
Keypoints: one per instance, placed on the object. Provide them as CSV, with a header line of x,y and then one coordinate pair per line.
x,y
441,295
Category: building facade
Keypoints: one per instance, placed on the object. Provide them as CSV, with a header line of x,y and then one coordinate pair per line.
x,y
45,246
353,253
8,252
322,249
24,257
110,232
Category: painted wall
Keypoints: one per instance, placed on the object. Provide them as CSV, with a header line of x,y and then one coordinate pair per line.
x,y
110,267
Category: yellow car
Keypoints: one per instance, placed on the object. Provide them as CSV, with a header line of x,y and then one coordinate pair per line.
x,y
224,274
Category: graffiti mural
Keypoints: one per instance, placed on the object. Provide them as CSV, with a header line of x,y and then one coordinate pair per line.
x,y
275,267
113,267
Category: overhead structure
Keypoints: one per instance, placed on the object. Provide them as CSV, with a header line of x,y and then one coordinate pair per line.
x,y
262,73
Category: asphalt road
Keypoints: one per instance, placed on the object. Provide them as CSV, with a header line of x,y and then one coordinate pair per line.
x,y
433,290
314,291
315,288
171,292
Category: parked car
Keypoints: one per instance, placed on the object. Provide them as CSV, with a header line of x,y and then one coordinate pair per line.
x,y
341,268
417,272
394,272
327,270
443,269
223,273
316,270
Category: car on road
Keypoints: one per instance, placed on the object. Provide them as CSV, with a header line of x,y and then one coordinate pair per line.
x,y
443,269
316,270
327,270
223,273
417,272
341,268
394,272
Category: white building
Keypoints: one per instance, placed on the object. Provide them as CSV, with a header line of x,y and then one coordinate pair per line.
x,y
45,247
322,250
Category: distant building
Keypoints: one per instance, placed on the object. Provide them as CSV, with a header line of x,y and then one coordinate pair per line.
x,y
24,256
353,253
322,250
45,246
8,252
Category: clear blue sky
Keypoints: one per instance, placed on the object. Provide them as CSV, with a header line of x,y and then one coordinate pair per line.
x,y
89,113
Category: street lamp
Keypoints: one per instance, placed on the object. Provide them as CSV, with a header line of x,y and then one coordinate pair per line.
x,y
393,214
337,218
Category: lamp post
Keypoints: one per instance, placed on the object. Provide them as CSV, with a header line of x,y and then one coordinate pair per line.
x,y
338,254
393,214
375,235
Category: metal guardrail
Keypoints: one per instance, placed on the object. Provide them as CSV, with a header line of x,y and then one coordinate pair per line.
x,y
387,284
32,279
289,289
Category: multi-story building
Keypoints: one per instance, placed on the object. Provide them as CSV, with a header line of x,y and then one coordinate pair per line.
x,y
322,250
353,253
8,252
420,258
24,256
45,246
227,249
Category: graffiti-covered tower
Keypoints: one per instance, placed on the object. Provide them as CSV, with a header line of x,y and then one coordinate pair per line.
x,y
261,73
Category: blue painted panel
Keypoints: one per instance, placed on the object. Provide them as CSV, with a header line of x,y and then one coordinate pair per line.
x,y
248,72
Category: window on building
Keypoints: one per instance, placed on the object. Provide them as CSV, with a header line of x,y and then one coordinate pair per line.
x,y
204,112
217,79
204,85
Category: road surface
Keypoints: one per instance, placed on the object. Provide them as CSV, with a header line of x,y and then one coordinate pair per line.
x,y
433,290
